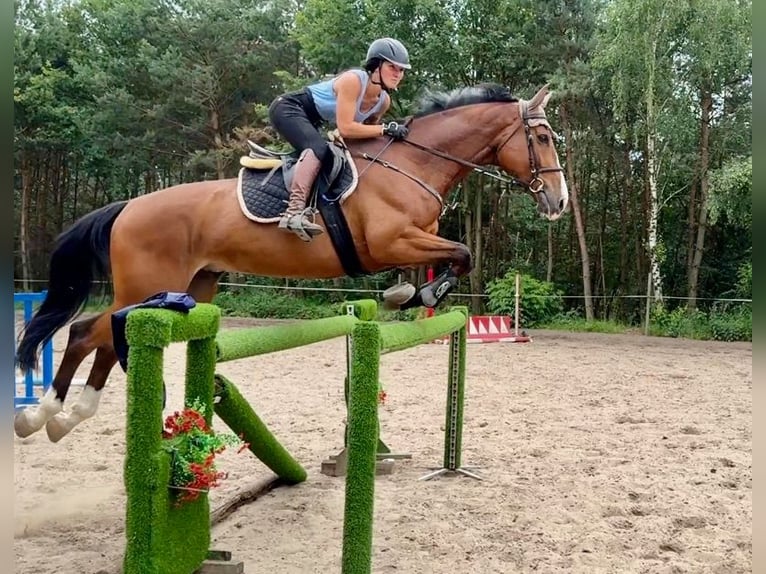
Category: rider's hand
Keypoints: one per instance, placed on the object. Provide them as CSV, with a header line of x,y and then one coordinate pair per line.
x,y
395,130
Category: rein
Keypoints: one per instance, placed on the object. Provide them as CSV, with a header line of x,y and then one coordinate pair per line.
x,y
534,186
376,159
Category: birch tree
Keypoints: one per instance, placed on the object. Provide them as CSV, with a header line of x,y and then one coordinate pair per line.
x,y
637,47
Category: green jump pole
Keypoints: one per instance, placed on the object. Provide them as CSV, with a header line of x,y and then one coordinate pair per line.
x,y
237,413
399,336
242,343
453,433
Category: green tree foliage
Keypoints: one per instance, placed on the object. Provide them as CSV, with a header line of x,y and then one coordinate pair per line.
x,y
731,193
539,301
116,98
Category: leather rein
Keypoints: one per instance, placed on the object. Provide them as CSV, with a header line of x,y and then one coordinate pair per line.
x,y
535,185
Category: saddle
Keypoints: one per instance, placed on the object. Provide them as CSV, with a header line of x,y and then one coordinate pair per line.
x,y
265,176
263,186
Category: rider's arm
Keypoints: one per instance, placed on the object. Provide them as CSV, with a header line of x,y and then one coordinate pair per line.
x,y
348,88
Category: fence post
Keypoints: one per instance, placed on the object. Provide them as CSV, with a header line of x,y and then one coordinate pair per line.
x,y
648,302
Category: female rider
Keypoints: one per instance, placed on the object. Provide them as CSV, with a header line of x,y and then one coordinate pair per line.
x,y
354,101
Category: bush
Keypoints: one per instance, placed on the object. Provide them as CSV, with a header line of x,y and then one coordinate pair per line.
x,y
270,305
735,324
722,323
540,301
680,322
574,321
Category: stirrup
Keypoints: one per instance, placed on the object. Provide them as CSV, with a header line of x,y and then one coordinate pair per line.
x,y
301,224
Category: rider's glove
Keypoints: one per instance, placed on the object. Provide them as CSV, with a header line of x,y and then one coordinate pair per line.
x,y
396,131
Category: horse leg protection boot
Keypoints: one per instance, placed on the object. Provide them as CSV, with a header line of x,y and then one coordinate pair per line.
x,y
297,218
433,293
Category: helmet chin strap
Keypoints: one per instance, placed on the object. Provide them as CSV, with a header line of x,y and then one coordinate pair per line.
x,y
380,83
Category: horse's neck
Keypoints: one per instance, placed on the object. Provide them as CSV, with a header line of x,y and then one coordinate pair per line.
x,y
464,133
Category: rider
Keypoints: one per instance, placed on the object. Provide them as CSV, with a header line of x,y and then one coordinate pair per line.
x,y
355,101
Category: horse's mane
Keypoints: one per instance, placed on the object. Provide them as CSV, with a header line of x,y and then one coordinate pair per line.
x,y
432,102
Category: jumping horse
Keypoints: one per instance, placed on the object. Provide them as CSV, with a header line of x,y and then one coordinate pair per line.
x,y
184,237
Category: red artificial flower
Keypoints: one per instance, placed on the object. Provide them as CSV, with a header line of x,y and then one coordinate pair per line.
x,y
193,445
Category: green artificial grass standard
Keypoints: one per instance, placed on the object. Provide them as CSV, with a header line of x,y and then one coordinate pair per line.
x,y
453,433
163,537
362,443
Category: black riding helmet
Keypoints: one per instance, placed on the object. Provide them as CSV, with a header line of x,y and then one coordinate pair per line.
x,y
387,49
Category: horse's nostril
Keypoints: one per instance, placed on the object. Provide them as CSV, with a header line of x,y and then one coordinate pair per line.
x,y
562,204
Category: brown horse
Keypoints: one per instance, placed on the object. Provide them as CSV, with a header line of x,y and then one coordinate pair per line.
x,y
184,237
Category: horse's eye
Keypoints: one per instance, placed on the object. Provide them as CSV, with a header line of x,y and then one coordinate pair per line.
x,y
543,139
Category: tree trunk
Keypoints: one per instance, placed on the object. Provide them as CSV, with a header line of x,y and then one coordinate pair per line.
x,y
215,125
651,169
652,235
26,184
470,234
692,226
577,212
626,196
549,266
706,105
475,277
75,191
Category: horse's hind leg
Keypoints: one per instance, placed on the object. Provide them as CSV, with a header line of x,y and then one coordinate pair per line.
x,y
87,403
202,287
84,337
79,346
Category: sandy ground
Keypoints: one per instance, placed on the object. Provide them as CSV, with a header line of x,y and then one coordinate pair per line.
x,y
601,453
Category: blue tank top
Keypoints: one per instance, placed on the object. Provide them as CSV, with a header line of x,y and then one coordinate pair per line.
x,y
326,101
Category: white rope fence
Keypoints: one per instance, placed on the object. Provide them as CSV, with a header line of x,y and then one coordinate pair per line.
x,y
465,295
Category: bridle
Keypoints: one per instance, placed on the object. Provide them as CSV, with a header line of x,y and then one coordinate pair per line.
x,y
535,185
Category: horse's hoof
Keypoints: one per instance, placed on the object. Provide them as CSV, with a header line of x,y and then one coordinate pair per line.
x,y
57,428
22,425
395,296
428,297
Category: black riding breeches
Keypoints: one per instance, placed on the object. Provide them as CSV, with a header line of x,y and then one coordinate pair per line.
x,y
296,119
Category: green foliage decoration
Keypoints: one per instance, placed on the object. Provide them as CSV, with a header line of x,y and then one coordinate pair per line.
x,y
540,301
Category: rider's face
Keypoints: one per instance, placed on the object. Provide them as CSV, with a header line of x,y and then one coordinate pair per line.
x,y
391,74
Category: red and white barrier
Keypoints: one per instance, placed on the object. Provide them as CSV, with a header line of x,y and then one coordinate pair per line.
x,y
488,328
491,329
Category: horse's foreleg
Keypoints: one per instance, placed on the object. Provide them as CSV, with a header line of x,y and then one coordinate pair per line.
x,y
418,247
432,293
79,346
87,403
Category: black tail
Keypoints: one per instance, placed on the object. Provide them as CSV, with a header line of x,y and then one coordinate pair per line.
x,y
80,257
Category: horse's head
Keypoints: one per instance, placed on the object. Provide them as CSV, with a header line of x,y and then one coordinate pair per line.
x,y
526,150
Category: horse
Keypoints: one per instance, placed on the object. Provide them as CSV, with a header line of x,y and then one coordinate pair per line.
x,y
184,237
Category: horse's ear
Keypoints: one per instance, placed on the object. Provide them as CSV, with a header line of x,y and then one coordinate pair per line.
x,y
540,98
